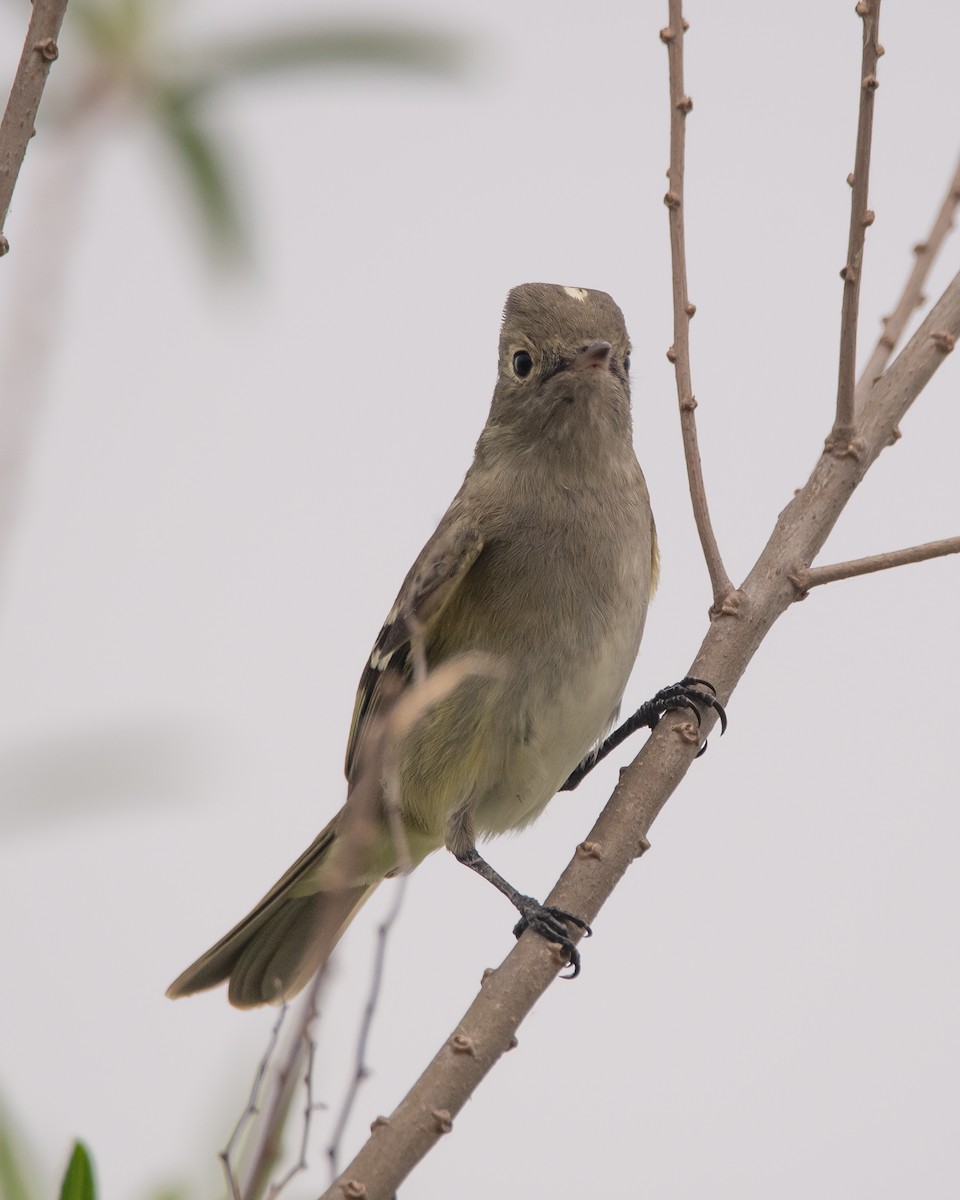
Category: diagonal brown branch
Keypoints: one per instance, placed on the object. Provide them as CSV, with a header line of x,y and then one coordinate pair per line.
x,y
912,296
488,1028
842,434
724,597
16,128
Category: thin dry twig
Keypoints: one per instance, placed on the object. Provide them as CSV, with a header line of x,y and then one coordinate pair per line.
x,y
911,298
16,128
812,577
297,1058
252,1109
841,437
361,1070
310,1107
488,1029
724,595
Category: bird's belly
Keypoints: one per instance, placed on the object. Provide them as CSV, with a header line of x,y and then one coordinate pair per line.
x,y
562,724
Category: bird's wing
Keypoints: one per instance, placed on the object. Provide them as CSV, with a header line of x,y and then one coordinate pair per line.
x,y
431,582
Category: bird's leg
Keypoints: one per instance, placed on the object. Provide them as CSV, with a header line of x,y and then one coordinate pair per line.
x,y
685,694
542,918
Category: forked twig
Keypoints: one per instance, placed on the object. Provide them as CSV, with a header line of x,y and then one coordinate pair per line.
x,y
724,595
16,128
252,1109
841,439
296,1064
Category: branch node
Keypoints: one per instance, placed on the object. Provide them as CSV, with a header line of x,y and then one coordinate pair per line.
x,y
851,179
687,732
513,1043
672,354
871,83
642,846
863,8
869,217
48,49
799,579
690,309
880,50
442,1121
379,1123
688,404
895,436
685,104
729,606
589,850
943,340
461,1044
353,1189
667,34
672,200
4,245
842,446
487,972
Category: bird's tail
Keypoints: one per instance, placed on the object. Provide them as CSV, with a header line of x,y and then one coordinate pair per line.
x,y
278,946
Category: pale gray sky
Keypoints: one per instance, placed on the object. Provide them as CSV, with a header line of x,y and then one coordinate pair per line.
x,y
229,482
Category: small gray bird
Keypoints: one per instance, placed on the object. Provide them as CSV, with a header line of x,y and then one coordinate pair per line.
x,y
543,566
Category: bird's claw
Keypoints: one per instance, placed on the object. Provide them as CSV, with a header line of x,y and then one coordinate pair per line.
x,y
550,923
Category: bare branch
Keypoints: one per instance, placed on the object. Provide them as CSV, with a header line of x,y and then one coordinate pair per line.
x,y
252,1109
16,128
361,1070
912,296
683,310
812,577
860,217
488,1029
297,1058
309,1109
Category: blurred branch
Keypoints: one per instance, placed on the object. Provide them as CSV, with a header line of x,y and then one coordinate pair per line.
x,y
724,594
16,128
841,439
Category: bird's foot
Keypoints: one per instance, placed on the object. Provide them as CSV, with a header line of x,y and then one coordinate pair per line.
x,y
551,923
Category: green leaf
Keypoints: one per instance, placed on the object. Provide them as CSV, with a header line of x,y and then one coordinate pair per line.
x,y
204,170
114,28
13,1170
78,1182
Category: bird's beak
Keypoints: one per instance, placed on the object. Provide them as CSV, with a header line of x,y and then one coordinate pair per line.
x,y
595,355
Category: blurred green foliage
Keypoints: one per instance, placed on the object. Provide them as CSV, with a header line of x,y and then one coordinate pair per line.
x,y
133,55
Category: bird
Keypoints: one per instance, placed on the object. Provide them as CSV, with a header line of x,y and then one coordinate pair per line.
x,y
532,595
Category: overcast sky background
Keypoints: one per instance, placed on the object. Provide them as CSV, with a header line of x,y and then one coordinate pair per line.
x,y
229,479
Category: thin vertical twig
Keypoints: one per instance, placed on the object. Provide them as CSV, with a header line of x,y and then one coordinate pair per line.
x,y
252,1109
724,595
842,439
16,128
297,1057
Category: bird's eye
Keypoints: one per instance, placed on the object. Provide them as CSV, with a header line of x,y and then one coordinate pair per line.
x,y
626,362
522,364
